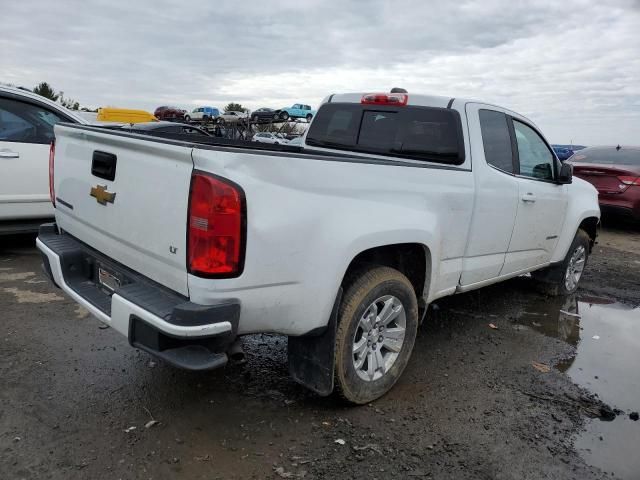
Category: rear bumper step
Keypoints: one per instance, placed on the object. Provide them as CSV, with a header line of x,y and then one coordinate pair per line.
x,y
153,318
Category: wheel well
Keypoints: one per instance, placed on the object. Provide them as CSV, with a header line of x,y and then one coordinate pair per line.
x,y
590,225
412,259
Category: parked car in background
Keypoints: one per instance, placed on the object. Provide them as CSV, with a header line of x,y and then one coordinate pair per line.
x,y
395,201
156,128
615,172
202,114
562,152
171,114
297,110
268,137
232,117
123,115
573,147
264,115
26,133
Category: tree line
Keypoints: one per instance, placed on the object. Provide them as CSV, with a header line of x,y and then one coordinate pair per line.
x,y
45,90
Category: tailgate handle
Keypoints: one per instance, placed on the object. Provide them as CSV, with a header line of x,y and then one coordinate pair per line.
x,y
104,165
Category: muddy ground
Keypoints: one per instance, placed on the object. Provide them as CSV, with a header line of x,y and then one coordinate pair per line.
x,y
76,401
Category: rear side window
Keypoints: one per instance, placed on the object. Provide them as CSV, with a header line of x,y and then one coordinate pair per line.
x,y
496,140
27,123
419,133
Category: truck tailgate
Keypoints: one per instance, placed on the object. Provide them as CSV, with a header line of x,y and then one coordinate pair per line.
x,y
137,214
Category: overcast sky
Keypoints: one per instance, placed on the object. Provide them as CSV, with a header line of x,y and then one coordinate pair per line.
x,y
571,66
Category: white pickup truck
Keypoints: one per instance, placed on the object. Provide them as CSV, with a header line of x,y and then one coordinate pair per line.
x,y
395,200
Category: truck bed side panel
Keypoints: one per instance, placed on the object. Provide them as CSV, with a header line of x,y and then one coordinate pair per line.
x,y
309,217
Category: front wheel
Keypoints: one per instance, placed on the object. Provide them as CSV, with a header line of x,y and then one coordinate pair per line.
x,y
187,118
563,279
284,116
377,327
309,118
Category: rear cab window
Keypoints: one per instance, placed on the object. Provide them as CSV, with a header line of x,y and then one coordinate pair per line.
x,y
414,132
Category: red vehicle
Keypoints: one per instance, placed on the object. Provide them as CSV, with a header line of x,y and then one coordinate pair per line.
x,y
172,114
615,172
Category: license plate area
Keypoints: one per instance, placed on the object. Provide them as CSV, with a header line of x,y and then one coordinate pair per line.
x,y
108,279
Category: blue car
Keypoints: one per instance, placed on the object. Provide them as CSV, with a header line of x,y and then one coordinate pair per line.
x,y
562,152
297,110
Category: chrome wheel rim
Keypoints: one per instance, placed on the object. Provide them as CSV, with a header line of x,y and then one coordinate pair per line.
x,y
575,268
379,338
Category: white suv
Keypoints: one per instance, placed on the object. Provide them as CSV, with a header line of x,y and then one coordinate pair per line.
x,y
26,133
267,137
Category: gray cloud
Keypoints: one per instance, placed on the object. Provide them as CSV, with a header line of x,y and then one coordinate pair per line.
x,y
573,66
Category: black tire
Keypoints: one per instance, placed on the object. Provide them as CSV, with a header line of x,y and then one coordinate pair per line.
x,y
205,118
309,118
187,118
554,280
221,121
284,116
360,293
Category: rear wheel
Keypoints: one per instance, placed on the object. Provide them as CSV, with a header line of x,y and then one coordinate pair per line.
x,y
309,118
221,121
187,118
563,279
377,326
254,119
284,116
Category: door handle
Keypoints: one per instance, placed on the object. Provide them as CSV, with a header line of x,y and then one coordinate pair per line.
x,y
9,154
529,198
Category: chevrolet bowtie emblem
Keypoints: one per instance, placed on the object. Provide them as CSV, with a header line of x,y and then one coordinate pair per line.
x,y
99,192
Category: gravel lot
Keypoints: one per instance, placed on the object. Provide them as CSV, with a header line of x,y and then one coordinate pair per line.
x,y
78,402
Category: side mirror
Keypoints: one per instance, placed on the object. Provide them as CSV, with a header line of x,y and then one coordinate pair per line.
x,y
566,174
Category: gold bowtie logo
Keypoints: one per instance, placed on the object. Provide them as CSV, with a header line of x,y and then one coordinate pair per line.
x,y
99,192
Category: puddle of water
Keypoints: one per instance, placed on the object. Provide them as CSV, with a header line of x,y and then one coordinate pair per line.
x,y
606,335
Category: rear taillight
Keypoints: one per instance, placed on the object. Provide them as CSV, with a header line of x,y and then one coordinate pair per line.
x,y
52,155
216,229
628,180
397,99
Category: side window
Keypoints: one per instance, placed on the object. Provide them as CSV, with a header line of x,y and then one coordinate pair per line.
x,y
536,160
496,140
26,123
